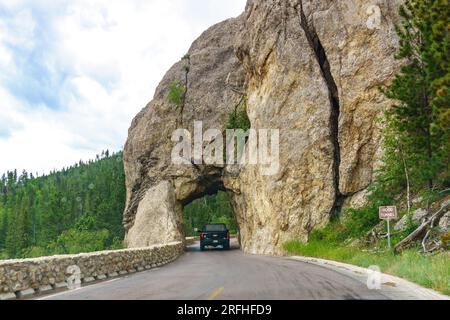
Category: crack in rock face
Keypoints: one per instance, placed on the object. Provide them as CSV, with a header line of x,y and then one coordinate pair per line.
x,y
335,111
308,68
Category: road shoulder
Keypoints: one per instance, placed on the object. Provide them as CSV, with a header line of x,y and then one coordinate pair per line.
x,y
394,288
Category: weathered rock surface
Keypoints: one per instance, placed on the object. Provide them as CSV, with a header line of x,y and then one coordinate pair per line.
x,y
157,189
444,223
308,68
417,217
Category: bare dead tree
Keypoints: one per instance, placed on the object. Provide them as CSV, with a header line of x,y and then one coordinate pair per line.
x,y
422,229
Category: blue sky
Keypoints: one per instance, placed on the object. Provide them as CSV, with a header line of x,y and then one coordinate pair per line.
x,y
75,72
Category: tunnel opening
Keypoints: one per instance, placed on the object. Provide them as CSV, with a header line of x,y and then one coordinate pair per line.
x,y
212,207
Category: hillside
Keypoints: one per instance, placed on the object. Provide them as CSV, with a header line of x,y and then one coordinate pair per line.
x,y
74,210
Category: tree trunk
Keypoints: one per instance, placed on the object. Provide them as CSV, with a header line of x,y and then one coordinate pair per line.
x,y
408,186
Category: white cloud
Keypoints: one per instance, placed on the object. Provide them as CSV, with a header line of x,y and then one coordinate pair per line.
x,y
100,60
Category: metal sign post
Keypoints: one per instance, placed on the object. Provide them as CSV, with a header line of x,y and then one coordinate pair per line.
x,y
389,233
388,213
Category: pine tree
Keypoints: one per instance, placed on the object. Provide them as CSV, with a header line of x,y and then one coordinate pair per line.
x,y
3,226
23,228
435,17
11,237
415,121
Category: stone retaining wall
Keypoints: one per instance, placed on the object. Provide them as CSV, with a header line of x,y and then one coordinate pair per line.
x,y
24,278
191,240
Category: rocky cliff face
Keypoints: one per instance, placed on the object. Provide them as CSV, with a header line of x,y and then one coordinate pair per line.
x,y
157,189
308,68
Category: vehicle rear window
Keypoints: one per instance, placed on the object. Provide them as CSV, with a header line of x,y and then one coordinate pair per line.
x,y
215,227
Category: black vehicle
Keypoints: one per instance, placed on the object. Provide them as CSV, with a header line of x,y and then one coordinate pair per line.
x,y
215,235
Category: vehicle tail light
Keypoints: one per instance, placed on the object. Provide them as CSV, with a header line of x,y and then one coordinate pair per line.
x,y
202,236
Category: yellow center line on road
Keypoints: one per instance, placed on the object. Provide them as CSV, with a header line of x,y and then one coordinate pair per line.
x,y
215,293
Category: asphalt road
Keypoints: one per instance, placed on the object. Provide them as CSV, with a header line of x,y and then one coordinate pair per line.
x,y
227,275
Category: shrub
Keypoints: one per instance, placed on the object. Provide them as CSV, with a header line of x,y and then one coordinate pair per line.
x,y
74,241
3,255
445,239
334,233
86,223
360,221
239,118
34,252
176,93
117,244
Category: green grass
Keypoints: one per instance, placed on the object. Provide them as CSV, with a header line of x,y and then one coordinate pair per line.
x,y
428,271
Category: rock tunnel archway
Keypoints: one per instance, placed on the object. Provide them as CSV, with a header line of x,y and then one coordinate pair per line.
x,y
159,216
271,54
208,209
